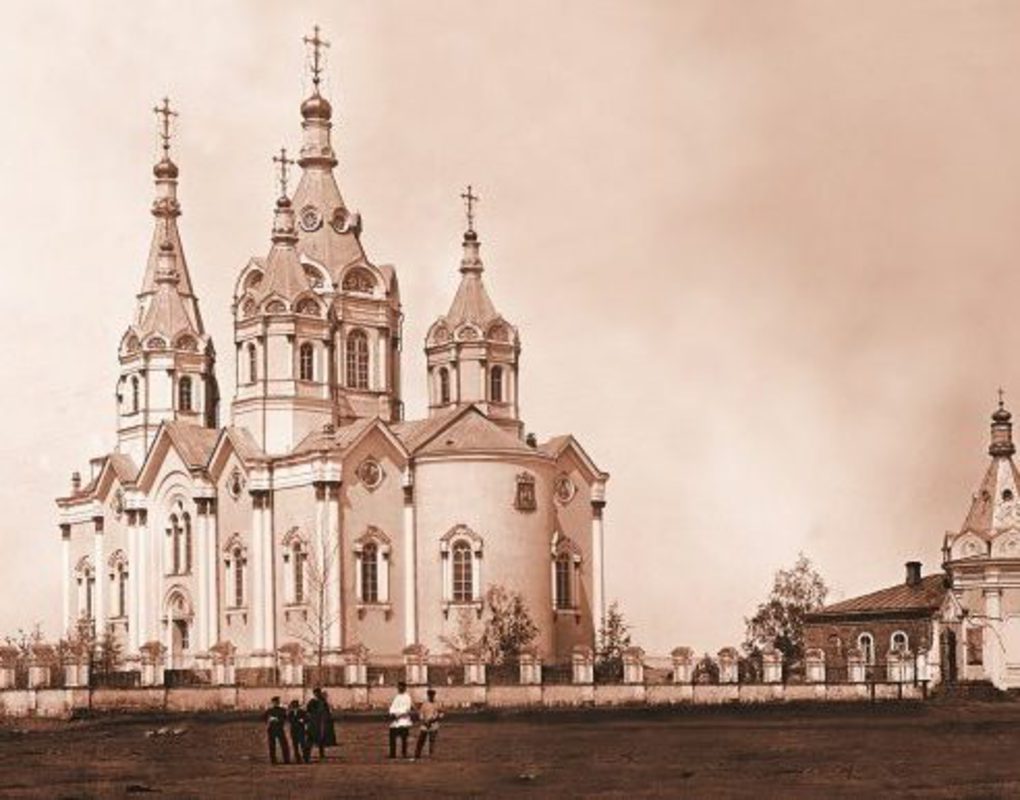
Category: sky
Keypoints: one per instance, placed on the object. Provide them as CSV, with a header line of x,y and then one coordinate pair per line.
x,y
762,256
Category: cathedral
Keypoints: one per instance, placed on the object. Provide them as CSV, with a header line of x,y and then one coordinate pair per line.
x,y
320,519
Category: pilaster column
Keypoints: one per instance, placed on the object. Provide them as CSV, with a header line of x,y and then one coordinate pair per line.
x,y
140,575
212,610
598,611
991,640
382,345
201,567
410,561
334,549
99,600
65,582
258,573
134,570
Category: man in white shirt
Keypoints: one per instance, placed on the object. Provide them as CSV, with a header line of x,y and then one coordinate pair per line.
x,y
400,720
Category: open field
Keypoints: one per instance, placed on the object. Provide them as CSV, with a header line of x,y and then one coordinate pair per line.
x,y
934,750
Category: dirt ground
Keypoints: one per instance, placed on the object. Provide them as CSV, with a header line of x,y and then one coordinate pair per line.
x,y
950,750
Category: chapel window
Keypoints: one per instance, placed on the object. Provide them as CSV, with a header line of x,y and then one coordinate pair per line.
x,y
174,531
563,566
866,642
496,385
899,642
370,573
357,359
444,386
187,543
253,363
238,568
463,577
306,362
122,578
299,557
184,394
134,394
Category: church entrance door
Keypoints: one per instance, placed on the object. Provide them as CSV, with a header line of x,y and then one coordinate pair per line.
x,y
179,644
949,656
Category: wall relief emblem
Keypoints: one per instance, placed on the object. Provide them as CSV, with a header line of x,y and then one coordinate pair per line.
x,y
564,489
117,504
359,280
524,499
235,483
370,473
310,218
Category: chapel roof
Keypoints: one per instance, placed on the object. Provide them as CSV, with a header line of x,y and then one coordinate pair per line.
x,y
925,595
194,442
472,431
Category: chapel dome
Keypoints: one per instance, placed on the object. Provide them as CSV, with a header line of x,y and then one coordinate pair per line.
x,y
316,107
165,168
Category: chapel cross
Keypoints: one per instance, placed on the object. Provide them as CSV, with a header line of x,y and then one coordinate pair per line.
x,y
317,43
284,163
1001,394
469,200
165,113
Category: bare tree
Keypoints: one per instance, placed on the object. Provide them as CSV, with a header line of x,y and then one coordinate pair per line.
x,y
468,635
320,567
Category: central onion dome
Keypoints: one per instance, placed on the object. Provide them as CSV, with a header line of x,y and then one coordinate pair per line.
x,y
165,168
316,107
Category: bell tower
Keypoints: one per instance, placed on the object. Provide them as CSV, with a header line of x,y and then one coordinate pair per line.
x,y
473,352
167,360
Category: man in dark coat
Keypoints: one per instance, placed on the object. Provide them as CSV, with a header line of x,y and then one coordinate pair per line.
x,y
320,722
275,717
299,738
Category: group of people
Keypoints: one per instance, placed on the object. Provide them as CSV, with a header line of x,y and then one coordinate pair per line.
x,y
312,726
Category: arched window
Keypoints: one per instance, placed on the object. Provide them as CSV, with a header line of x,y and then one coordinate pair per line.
x,y
238,565
90,586
299,557
564,580
866,642
496,385
187,543
357,359
899,642
122,577
306,362
444,386
463,585
253,363
184,394
370,573
134,394
174,532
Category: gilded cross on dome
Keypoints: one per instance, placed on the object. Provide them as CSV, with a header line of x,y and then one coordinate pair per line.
x,y
469,201
317,43
164,113
1001,396
284,163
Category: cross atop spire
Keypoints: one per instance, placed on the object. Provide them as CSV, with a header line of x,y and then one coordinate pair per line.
x,y
1001,396
470,199
284,163
164,113
317,43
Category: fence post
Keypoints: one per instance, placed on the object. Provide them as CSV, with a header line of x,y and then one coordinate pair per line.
x,y
772,666
291,657
474,667
814,665
683,664
728,661
356,666
856,669
582,664
416,667
152,663
39,666
223,663
633,665
8,666
530,667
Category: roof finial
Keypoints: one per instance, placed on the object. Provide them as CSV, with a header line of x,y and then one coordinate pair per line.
x,y
284,163
165,114
317,44
1001,395
469,201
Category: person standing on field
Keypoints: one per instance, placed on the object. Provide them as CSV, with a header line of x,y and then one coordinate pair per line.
x,y
320,722
429,714
275,718
400,720
298,719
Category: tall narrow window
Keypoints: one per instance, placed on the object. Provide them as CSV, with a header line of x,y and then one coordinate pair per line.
x,y
122,577
357,359
299,573
175,544
563,566
184,394
496,385
370,573
238,578
463,587
134,394
899,642
253,363
187,543
90,584
444,386
306,362
867,644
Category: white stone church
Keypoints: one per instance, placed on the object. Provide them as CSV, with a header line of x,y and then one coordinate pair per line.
x,y
320,518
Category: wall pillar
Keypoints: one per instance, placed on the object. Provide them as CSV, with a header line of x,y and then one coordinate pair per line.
x,y
134,570
258,574
334,592
598,611
201,567
992,643
65,582
410,562
98,598
212,610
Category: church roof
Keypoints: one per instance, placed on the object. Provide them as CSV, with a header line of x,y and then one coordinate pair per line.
x,y
471,431
166,230
284,276
244,443
994,500
471,303
925,595
194,443
339,438
415,432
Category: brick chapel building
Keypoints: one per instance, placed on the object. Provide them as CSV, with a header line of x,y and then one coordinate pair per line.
x,y
320,510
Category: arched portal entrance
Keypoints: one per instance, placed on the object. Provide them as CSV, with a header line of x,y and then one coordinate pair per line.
x,y
178,618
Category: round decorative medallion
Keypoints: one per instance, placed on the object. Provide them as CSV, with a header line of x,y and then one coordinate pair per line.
x,y
339,219
564,489
370,473
311,218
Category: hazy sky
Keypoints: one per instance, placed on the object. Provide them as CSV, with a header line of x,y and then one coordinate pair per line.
x,y
762,255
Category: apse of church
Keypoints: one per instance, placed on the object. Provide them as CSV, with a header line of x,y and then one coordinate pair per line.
x,y
320,519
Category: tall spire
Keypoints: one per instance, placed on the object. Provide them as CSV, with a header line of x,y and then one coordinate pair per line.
x,y
1002,431
471,261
